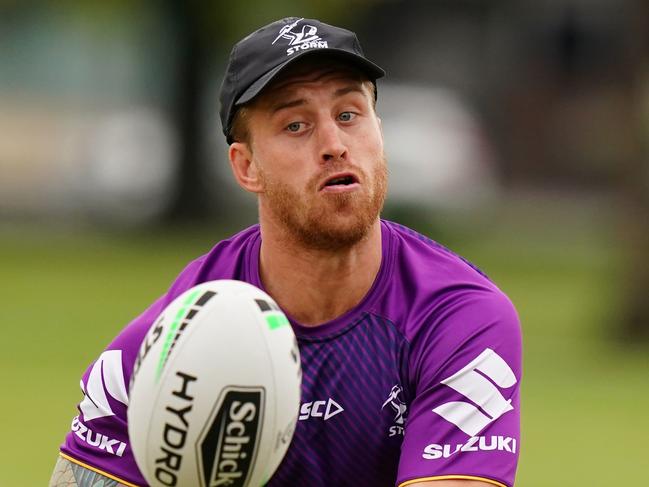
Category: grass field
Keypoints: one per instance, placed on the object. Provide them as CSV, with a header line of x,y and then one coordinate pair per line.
x,y
65,294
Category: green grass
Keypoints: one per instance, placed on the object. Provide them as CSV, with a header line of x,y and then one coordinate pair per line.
x,y
585,398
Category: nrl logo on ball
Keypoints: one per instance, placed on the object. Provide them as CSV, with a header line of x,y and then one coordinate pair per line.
x,y
300,39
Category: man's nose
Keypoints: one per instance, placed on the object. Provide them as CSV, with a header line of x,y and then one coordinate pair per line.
x,y
332,145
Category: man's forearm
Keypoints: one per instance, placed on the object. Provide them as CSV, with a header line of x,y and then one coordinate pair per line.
x,y
68,474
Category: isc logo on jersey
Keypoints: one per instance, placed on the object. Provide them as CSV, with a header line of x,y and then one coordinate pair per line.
x,y
479,382
320,409
106,380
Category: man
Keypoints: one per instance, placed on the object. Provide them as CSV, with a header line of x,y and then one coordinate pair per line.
x,y
411,356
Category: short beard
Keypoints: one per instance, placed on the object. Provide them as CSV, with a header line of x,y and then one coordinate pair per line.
x,y
336,226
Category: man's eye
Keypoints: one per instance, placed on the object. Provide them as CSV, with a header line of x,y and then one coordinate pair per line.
x,y
294,126
346,116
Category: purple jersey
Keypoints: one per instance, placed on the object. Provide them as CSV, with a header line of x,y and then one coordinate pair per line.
x,y
420,381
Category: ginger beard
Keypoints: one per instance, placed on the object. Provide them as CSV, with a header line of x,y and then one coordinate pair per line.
x,y
328,222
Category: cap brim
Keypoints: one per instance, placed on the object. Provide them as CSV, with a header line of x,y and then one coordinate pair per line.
x,y
372,70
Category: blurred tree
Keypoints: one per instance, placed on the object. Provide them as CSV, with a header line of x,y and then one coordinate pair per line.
x,y
636,185
193,46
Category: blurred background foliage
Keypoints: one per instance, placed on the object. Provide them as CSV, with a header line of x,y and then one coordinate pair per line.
x,y
517,133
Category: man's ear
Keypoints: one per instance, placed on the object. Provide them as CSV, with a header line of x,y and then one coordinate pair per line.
x,y
244,169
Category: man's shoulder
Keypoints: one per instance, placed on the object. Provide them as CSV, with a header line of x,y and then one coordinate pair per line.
x,y
429,258
241,237
232,246
429,284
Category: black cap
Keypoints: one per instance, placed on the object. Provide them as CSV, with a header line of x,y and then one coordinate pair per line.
x,y
259,57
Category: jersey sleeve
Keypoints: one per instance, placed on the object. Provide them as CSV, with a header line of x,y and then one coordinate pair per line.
x,y
465,371
98,438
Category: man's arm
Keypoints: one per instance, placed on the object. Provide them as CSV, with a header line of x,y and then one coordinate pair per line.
x,y
68,474
463,426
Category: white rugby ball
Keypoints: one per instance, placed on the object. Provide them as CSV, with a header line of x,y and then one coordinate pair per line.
x,y
215,391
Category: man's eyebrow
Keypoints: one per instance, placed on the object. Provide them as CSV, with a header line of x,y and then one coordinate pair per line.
x,y
301,101
349,89
286,104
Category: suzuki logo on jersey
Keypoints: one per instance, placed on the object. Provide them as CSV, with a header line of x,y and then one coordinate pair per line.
x,y
106,380
475,443
476,382
320,409
301,38
97,440
400,409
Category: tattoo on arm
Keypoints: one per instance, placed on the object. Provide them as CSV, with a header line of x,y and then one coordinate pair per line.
x,y
68,474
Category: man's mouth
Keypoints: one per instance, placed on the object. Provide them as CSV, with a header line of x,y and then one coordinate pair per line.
x,y
340,180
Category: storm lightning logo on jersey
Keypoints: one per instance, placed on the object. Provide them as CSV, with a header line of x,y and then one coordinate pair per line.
x,y
306,38
399,407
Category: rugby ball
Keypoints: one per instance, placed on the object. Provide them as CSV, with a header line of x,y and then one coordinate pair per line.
x,y
215,390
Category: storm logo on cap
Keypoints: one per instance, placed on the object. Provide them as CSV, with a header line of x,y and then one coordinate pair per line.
x,y
306,38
